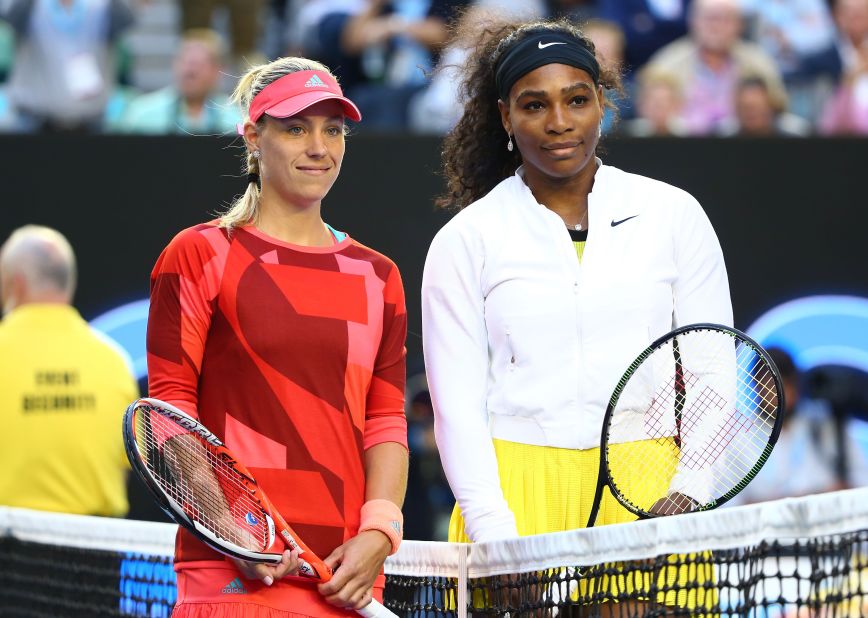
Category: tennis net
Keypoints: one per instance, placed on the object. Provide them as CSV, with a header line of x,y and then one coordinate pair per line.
x,y
793,558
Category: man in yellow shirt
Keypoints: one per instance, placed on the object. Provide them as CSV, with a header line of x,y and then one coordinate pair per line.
x,y
63,387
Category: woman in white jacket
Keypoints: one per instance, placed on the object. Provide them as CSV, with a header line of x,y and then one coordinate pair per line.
x,y
557,271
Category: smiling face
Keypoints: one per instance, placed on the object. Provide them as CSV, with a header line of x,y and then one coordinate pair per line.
x,y
554,115
301,155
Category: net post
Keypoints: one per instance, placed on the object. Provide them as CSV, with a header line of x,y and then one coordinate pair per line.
x,y
461,593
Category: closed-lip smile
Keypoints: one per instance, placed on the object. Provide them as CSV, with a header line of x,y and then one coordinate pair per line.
x,y
560,145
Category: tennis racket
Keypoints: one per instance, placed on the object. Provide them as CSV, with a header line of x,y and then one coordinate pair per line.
x,y
200,484
690,423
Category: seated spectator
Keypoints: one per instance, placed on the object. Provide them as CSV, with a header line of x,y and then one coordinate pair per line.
x,y
63,72
805,458
711,60
851,22
609,43
846,112
800,36
648,25
758,113
383,51
244,18
578,11
437,108
63,387
192,105
659,104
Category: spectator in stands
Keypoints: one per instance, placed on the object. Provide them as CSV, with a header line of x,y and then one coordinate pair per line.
x,y
577,11
63,73
759,113
851,21
383,51
711,60
846,112
800,36
609,44
192,105
648,25
244,18
438,105
805,459
659,105
63,388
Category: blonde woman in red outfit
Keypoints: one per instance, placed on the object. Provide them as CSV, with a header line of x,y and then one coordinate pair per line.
x,y
285,337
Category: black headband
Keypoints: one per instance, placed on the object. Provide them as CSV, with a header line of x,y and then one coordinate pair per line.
x,y
539,48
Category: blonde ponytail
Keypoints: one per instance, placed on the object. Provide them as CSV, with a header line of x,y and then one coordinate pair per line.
x,y
244,210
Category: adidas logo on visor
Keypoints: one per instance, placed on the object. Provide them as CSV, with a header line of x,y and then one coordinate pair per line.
x,y
315,82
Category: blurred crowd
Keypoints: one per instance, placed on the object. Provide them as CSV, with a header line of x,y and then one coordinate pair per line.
x,y
690,67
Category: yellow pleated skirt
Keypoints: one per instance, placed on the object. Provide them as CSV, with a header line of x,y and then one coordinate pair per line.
x,y
552,490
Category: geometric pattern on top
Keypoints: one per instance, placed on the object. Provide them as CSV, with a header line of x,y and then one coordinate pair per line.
x,y
288,350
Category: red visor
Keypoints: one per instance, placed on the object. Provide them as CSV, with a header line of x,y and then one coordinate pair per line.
x,y
297,91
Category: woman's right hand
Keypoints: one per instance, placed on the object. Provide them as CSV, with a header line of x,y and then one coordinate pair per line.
x,y
269,573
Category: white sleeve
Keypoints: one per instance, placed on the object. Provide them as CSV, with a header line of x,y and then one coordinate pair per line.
x,y
701,288
701,294
456,361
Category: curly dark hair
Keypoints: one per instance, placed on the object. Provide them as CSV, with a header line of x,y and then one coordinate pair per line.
x,y
474,154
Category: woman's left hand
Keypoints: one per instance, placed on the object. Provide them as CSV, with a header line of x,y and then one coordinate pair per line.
x,y
356,565
674,504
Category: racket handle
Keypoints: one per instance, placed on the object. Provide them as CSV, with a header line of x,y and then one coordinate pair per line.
x,y
375,609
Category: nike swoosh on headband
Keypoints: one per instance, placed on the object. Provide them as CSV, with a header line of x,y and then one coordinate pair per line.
x,y
542,45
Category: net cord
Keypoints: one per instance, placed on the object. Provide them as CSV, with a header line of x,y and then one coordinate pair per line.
x,y
728,528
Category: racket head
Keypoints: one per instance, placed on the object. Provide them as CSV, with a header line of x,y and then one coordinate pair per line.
x,y
198,483
697,414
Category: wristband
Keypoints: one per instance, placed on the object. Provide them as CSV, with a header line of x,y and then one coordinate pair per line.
x,y
385,516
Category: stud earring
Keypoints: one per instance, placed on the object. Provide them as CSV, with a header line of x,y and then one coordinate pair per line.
x,y
256,154
509,145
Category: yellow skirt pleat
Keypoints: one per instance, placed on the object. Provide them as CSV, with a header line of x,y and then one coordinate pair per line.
x,y
552,489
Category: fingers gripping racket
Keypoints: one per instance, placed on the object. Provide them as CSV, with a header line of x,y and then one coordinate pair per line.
x,y
690,423
199,484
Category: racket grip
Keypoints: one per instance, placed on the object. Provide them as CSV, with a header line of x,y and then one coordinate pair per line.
x,y
375,609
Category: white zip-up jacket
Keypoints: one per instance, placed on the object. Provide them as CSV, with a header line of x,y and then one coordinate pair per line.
x,y
524,343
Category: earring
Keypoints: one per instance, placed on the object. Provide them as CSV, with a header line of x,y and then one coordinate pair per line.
x,y
509,145
256,154
600,130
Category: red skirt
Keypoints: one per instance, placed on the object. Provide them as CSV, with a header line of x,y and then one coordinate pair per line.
x,y
218,590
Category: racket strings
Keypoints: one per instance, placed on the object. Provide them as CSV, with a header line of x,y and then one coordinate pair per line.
x,y
706,406
208,488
